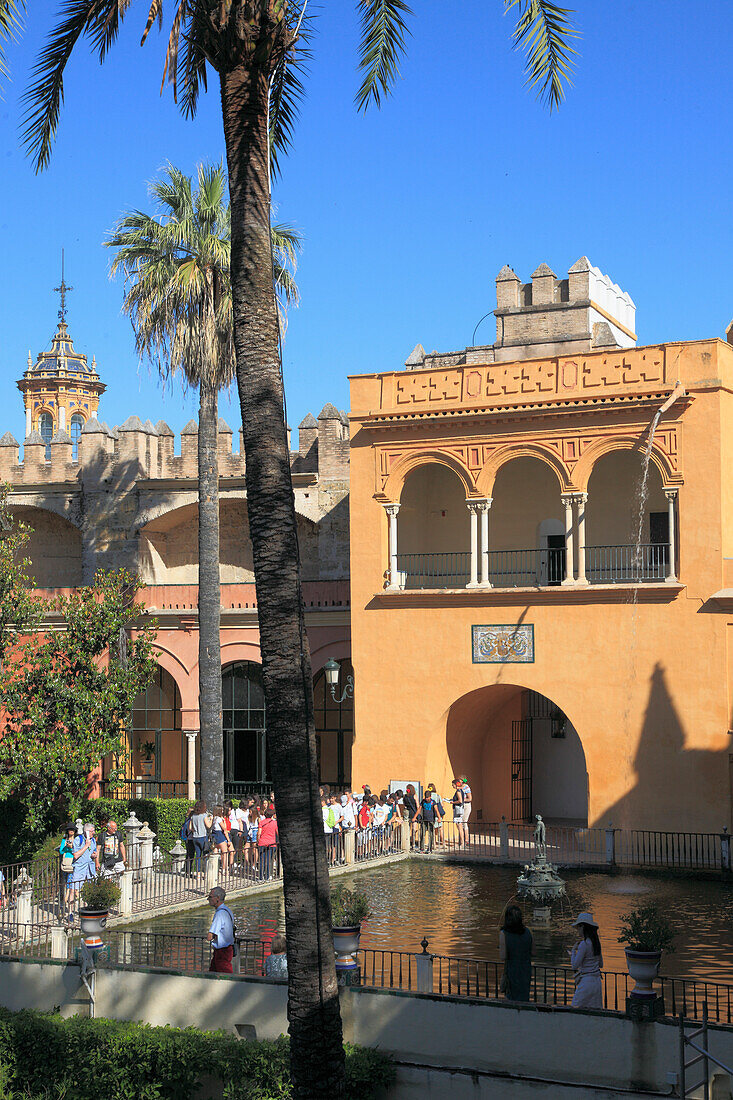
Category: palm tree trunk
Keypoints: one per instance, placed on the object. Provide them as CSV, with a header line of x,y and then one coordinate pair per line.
x,y
212,741
316,1050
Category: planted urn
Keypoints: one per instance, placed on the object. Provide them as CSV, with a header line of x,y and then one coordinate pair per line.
x,y
98,896
647,934
348,909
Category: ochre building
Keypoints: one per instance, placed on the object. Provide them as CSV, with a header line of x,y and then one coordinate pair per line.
x,y
541,566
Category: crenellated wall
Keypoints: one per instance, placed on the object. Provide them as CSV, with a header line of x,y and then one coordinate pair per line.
x,y
130,500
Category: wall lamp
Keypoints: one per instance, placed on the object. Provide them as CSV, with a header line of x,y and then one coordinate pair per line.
x,y
332,669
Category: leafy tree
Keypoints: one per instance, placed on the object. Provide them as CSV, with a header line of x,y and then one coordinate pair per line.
x,y
179,297
67,695
255,47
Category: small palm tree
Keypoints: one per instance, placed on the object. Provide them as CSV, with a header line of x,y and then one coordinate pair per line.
x,y
179,297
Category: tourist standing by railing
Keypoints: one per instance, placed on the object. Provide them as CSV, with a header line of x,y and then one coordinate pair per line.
x,y
110,856
201,822
458,812
586,960
221,838
410,803
267,838
235,816
467,804
515,951
221,932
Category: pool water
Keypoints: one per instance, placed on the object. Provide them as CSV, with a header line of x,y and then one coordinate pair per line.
x,y
458,907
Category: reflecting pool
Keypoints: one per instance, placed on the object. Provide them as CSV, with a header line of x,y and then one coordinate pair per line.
x,y
459,906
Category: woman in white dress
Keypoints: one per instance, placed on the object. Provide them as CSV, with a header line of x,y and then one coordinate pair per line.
x,y
586,960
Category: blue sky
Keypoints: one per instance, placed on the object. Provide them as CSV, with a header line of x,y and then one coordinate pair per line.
x,y
407,213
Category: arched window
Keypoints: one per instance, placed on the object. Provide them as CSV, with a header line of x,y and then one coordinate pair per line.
x,y
334,729
243,706
45,427
75,427
156,720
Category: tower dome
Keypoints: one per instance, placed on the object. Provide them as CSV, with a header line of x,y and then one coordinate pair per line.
x,y
61,390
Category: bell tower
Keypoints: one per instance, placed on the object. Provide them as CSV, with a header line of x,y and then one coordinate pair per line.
x,y
61,390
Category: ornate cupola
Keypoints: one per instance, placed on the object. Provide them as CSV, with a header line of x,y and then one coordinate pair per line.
x,y
61,390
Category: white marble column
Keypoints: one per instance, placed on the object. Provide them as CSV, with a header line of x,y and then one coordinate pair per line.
x,y
191,765
62,418
28,421
392,510
671,495
483,507
581,499
567,499
473,508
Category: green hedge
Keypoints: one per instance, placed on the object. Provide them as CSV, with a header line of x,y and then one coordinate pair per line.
x,y
165,816
45,1056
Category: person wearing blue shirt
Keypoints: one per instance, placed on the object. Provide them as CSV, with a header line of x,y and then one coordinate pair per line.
x,y
221,933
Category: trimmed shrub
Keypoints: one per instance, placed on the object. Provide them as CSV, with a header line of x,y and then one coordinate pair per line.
x,y
44,1055
165,816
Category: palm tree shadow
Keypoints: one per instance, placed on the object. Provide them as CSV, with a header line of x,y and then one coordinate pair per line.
x,y
672,781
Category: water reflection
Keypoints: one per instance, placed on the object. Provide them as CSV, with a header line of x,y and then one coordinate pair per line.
x,y
459,908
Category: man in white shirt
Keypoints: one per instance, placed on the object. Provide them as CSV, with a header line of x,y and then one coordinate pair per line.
x,y
348,811
221,932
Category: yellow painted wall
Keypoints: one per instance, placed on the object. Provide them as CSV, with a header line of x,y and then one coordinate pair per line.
x,y
645,682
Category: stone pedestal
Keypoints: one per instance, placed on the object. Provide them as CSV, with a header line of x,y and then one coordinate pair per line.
x,y
542,915
350,976
644,1008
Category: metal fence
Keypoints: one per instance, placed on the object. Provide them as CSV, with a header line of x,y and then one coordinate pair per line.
x,y
447,570
145,788
417,972
647,848
619,564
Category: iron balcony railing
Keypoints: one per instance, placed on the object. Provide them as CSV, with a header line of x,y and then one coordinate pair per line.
x,y
145,788
626,564
534,568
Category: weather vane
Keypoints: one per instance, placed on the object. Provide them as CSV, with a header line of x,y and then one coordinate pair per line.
x,y
62,290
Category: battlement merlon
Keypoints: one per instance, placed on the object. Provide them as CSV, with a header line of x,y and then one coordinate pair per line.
x,y
138,449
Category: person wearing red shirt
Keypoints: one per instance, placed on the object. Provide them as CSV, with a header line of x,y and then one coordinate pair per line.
x,y
267,837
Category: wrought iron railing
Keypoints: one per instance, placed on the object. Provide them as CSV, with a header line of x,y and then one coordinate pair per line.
x,y
247,788
445,570
626,564
144,787
526,568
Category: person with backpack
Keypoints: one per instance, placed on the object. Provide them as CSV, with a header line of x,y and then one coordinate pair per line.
x,y
222,933
110,854
428,815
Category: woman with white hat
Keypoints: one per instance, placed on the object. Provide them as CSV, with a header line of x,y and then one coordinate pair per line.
x,y
586,960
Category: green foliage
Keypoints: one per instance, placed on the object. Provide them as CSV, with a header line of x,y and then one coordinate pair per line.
x,y
100,893
545,32
646,929
383,43
165,816
348,907
45,1056
67,694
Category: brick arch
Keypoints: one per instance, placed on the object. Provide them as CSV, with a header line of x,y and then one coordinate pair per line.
x,y
405,465
48,504
587,462
487,477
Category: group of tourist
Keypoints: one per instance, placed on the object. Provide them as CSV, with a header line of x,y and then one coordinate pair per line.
x,y
85,855
244,835
516,948
377,818
222,936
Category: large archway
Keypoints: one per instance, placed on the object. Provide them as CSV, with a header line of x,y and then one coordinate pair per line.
x,y
521,754
433,533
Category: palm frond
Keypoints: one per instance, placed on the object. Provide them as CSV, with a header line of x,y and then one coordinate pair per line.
x,y
545,31
286,93
45,96
11,23
382,45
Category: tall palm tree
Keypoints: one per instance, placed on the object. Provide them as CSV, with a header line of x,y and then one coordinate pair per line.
x,y
256,47
178,295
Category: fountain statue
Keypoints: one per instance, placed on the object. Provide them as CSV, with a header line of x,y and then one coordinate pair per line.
x,y
539,880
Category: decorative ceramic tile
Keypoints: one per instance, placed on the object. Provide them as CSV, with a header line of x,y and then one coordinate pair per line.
x,y
503,644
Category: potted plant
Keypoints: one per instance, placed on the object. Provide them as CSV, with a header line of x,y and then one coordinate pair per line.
x,y
647,934
98,895
147,748
348,909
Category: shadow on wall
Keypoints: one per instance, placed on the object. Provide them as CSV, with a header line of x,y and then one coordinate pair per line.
x,y
676,788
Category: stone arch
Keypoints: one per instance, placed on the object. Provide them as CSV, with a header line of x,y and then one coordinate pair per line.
x,y
59,507
54,546
601,447
407,463
499,458
479,741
